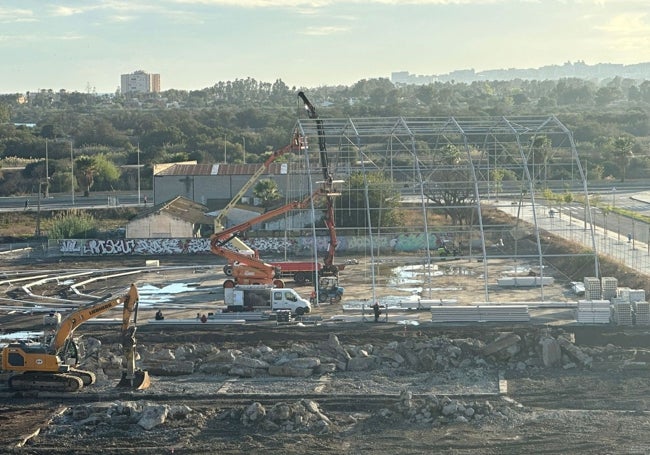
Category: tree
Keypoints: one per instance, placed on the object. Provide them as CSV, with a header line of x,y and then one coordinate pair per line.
x,y
622,149
453,192
86,168
267,190
383,199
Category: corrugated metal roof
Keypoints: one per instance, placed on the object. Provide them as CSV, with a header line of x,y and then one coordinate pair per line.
x,y
222,169
180,207
188,169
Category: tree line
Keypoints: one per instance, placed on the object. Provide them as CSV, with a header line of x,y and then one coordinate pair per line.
x,y
105,136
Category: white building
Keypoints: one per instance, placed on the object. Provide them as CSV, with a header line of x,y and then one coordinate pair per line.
x,y
140,82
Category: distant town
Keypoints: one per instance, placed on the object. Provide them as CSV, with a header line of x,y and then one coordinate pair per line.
x,y
578,69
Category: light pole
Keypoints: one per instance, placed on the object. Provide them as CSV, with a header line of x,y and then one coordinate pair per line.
x,y
138,173
38,205
47,172
71,173
614,197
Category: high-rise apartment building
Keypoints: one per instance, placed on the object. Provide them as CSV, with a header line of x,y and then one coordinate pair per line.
x,y
140,82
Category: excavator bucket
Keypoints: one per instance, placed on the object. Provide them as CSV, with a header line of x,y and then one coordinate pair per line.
x,y
138,381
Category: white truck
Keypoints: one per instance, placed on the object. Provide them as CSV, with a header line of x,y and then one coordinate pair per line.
x,y
263,298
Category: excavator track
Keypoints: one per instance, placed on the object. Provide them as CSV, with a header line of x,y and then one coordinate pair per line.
x,y
51,382
88,377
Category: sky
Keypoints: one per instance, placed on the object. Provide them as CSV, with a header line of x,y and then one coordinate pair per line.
x,y
79,45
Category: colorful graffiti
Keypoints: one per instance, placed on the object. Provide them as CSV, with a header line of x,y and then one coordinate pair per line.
x,y
295,246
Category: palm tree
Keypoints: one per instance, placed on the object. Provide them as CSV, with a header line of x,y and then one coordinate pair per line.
x,y
623,146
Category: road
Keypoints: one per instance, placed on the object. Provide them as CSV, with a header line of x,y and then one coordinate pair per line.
x,y
610,231
63,201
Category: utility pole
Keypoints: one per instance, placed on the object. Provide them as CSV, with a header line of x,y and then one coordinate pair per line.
x,y
138,173
47,172
71,173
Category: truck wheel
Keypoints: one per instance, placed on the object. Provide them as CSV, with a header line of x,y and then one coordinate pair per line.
x,y
300,311
322,297
227,269
337,299
278,283
228,284
300,278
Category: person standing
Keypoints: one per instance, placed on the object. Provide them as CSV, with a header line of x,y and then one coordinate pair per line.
x,y
377,311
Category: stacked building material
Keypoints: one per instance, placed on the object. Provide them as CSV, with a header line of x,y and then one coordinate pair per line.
x,y
609,286
622,313
623,294
642,313
593,312
637,295
480,313
592,288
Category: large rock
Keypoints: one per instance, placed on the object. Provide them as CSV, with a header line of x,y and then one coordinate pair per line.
x,y
505,342
152,416
287,370
363,363
551,352
575,352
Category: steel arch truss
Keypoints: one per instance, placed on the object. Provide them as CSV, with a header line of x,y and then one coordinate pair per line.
x,y
459,169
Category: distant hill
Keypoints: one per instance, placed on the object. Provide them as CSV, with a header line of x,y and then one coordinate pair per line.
x,y
578,69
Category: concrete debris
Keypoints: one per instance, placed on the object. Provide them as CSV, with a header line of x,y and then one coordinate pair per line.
x,y
509,351
145,415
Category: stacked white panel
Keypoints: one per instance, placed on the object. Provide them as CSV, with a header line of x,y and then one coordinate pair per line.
x,y
623,313
608,287
623,293
593,312
642,312
592,288
637,295
480,313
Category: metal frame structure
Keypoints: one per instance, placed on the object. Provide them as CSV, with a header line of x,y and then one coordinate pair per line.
x,y
508,163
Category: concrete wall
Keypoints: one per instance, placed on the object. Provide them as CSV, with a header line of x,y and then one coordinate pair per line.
x,y
160,225
293,246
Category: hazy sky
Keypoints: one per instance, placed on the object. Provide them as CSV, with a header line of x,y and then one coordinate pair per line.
x,y
192,44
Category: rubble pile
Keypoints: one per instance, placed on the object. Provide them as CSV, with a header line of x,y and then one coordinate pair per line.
x,y
504,351
123,413
301,416
444,410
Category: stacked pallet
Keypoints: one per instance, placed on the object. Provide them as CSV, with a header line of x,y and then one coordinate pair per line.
x,y
642,312
480,313
623,294
592,288
609,285
622,313
637,295
593,312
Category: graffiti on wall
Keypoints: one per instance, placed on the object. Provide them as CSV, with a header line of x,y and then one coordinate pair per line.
x,y
298,246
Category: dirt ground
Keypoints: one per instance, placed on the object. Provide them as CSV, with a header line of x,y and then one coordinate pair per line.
x,y
602,409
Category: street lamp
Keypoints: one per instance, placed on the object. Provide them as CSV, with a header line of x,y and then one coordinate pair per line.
x,y
138,173
47,172
71,173
614,197
38,205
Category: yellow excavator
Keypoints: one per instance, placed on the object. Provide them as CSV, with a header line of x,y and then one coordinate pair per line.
x,y
46,366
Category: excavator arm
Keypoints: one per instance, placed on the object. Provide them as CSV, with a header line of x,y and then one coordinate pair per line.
x,y
93,310
41,367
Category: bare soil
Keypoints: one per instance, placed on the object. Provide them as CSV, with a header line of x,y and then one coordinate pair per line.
x,y
604,409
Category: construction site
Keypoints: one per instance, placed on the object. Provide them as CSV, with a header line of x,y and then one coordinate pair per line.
x,y
465,304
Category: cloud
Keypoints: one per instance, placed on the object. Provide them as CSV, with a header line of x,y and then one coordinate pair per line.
x,y
16,15
628,30
324,30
